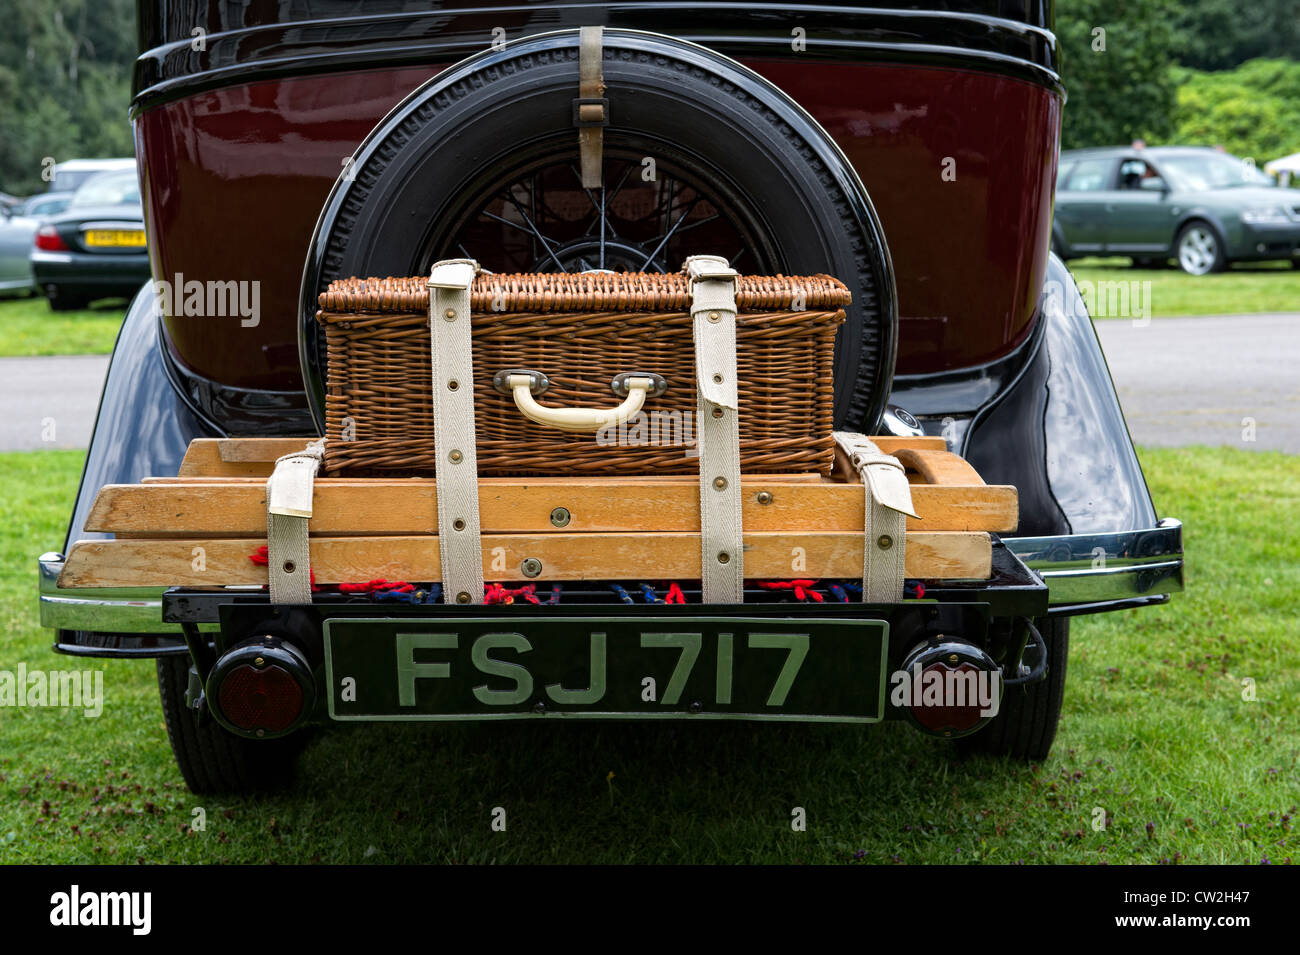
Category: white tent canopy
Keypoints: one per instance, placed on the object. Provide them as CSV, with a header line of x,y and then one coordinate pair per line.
x,y
1289,164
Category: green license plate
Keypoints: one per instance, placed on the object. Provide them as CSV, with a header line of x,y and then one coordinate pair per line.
x,y
641,667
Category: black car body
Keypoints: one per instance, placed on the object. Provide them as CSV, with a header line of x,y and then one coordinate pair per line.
x,y
999,357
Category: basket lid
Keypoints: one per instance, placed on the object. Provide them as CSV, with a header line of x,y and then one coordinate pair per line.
x,y
584,291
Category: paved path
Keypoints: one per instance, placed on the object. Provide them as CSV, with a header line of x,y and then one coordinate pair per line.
x,y
1181,380
1205,380
49,402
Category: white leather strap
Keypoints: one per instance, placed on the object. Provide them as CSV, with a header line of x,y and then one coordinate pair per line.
x,y
289,492
713,314
456,469
888,505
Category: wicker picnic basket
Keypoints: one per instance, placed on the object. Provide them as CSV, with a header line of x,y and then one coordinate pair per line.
x,y
581,330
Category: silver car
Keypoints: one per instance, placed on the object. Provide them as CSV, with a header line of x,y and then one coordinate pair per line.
x,y
17,231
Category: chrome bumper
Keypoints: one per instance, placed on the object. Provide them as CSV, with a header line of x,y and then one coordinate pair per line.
x,y
112,623
1095,572
1084,573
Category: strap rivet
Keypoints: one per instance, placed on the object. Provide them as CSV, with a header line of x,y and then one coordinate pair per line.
x,y
453,385
720,483
458,524
462,598
449,315
724,557
884,541
765,497
717,379
290,567
455,457
714,317
717,411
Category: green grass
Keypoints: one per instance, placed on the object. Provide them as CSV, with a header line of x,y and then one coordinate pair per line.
x,y
1250,287
1155,732
29,327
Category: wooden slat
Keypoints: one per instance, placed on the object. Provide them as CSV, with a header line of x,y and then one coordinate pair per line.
x,y
621,556
249,457
235,507
939,467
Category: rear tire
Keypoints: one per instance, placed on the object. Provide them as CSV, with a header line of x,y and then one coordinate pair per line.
x,y
61,301
420,182
1025,726
212,759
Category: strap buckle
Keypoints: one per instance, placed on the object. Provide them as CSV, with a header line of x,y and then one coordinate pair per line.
x,y
590,111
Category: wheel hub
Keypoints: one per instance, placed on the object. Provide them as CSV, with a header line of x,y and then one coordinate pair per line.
x,y
589,252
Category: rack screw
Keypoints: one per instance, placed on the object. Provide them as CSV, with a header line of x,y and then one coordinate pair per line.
x,y
560,517
531,567
259,662
765,497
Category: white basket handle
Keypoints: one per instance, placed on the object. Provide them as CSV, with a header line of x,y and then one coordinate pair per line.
x,y
634,387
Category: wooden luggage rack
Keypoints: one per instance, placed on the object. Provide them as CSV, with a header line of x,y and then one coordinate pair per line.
x,y
200,528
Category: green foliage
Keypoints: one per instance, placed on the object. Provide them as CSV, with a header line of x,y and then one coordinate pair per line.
x,y
65,84
1253,110
1219,34
1118,81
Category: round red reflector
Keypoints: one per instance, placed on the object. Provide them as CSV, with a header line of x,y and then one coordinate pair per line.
x,y
267,699
957,707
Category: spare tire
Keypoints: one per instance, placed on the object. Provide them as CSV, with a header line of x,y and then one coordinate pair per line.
x,y
700,155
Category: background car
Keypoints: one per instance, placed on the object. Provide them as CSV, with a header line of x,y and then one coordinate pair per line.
x,y
96,247
17,228
1200,205
69,176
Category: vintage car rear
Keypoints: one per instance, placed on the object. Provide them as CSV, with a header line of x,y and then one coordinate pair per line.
x,y
910,153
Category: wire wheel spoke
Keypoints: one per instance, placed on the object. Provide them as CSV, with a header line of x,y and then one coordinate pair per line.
x,y
544,219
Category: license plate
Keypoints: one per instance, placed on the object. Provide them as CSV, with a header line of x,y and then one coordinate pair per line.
x,y
639,668
116,238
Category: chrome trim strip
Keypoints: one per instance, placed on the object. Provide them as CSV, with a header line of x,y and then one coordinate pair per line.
x,y
126,610
1099,568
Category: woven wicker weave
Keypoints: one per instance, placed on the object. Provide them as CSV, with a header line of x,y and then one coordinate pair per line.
x,y
580,330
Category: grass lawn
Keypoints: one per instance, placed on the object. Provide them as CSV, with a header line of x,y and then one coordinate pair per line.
x,y
29,327
1249,287
1156,733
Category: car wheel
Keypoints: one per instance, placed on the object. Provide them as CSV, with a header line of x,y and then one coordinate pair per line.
x,y
61,301
701,155
1199,248
212,759
1025,726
